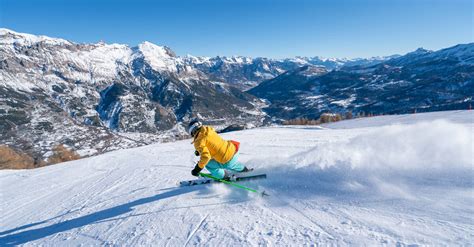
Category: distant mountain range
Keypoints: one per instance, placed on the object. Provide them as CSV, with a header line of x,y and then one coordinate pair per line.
x,y
245,72
418,81
100,97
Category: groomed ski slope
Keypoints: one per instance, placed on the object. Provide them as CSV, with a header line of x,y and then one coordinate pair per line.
x,y
390,180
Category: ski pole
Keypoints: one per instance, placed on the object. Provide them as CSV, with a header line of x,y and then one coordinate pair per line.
x,y
230,183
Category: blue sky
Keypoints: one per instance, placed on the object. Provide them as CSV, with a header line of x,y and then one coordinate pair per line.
x,y
268,28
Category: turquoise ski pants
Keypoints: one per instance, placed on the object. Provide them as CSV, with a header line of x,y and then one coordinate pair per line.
x,y
217,169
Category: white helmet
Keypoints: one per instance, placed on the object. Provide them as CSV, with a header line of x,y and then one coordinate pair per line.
x,y
194,126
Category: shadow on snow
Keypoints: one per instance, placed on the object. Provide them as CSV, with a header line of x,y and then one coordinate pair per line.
x,y
103,215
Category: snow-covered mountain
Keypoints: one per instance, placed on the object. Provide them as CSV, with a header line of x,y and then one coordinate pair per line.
x,y
418,81
402,180
58,92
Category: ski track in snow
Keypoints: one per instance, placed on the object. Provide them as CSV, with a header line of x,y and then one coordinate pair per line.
x,y
195,230
391,180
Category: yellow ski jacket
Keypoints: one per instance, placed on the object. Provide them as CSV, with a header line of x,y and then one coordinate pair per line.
x,y
211,146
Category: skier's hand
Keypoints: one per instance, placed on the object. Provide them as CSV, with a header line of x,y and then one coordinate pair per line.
x,y
196,170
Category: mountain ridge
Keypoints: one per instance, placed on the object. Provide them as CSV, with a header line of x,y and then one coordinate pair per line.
x,y
220,67
418,81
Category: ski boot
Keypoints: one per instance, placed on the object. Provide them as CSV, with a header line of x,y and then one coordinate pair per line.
x,y
246,169
229,176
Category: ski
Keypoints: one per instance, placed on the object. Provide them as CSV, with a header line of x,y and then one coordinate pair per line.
x,y
236,177
250,177
197,182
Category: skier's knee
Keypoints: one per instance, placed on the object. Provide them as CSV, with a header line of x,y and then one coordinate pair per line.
x,y
218,173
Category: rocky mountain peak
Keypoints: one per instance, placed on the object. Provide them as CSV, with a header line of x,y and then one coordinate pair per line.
x,y
161,58
419,51
11,37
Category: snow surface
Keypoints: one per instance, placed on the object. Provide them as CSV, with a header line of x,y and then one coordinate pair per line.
x,y
390,180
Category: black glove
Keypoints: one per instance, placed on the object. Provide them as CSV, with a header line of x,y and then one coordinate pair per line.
x,y
196,170
196,153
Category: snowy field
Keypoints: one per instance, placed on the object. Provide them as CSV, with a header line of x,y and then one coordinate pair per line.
x,y
392,180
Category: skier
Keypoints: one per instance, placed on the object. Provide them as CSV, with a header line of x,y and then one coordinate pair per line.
x,y
219,156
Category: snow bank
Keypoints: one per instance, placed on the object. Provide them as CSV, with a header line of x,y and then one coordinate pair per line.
x,y
395,161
